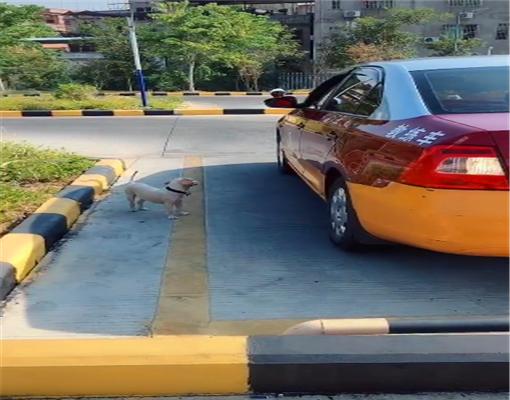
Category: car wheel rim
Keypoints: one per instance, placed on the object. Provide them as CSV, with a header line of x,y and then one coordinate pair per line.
x,y
338,212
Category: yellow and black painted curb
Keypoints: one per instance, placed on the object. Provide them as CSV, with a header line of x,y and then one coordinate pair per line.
x,y
222,365
23,247
141,113
181,93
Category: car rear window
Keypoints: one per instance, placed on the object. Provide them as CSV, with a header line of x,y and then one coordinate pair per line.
x,y
464,90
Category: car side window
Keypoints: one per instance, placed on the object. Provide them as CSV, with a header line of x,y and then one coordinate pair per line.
x,y
349,97
371,101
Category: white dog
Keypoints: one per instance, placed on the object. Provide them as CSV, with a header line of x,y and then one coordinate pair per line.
x,y
170,196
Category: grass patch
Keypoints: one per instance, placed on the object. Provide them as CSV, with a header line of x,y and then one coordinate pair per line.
x,y
30,175
49,102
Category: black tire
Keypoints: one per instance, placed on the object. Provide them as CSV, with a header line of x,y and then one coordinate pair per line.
x,y
345,229
283,164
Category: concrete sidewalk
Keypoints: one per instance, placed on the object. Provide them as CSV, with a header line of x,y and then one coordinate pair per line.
x,y
104,279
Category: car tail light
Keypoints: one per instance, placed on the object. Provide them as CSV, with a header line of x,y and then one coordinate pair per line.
x,y
457,167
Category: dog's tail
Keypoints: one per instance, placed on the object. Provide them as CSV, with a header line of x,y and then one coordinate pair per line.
x,y
133,176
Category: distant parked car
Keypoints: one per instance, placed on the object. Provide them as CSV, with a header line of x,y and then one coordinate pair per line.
x,y
411,151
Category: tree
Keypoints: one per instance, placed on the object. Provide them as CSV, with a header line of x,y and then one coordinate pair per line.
x,y
111,40
204,37
382,38
448,46
31,67
23,62
255,43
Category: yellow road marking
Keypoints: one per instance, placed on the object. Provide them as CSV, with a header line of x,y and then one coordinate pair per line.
x,y
66,207
10,114
184,295
23,251
117,165
98,182
66,113
128,113
278,111
175,365
205,111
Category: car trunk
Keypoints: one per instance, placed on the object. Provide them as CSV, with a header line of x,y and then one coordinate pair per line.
x,y
497,124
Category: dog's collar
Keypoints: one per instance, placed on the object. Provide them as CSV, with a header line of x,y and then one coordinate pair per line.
x,y
177,191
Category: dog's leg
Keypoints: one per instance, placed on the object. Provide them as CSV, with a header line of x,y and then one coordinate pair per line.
x,y
140,203
131,199
170,208
178,208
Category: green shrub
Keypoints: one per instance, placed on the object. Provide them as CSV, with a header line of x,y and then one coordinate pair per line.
x,y
75,91
18,103
24,163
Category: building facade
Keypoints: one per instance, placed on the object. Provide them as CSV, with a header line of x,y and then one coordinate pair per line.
x,y
483,19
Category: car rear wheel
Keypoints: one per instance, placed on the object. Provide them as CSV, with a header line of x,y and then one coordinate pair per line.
x,y
344,227
283,164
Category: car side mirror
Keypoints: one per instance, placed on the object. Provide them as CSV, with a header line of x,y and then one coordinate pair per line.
x,y
281,102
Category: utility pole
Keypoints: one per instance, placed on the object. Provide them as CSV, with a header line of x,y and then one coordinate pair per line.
x,y
136,53
457,34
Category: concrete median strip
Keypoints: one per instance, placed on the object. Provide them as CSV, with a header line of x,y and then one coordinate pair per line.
x,y
222,365
141,113
28,242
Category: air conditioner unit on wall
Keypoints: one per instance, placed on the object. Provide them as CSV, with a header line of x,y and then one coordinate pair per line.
x,y
352,14
467,15
431,39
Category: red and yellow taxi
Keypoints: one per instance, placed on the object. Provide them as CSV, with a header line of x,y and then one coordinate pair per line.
x,y
411,151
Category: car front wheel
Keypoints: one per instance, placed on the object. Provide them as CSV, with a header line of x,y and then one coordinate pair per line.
x,y
283,164
343,223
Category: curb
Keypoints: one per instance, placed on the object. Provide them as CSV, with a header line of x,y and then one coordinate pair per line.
x,y
182,93
223,365
383,326
141,113
23,247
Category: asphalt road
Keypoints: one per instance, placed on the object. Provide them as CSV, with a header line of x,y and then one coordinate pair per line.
x,y
268,257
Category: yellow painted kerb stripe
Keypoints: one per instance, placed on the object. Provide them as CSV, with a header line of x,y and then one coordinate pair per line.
x,y
207,111
98,182
117,165
67,207
10,114
23,251
128,113
278,111
168,365
66,113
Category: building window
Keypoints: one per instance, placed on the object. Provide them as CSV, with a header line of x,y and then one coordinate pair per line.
x,y
465,31
377,4
470,31
464,3
335,4
502,32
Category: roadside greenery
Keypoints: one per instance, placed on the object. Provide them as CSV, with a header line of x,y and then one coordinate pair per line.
x,y
24,64
210,46
49,102
370,39
194,40
30,175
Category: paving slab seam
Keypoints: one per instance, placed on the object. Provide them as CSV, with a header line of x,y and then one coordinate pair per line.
x,y
26,244
141,113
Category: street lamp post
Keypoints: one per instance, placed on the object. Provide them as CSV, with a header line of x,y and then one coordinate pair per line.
x,y
136,54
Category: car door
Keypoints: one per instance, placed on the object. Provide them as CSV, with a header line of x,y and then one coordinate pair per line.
x,y
291,129
326,126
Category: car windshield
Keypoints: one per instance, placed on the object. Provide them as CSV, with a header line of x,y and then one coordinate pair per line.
x,y
464,90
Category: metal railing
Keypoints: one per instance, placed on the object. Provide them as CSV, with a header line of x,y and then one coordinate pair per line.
x,y
302,80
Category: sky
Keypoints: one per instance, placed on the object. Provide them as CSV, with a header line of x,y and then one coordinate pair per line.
x,y
70,4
